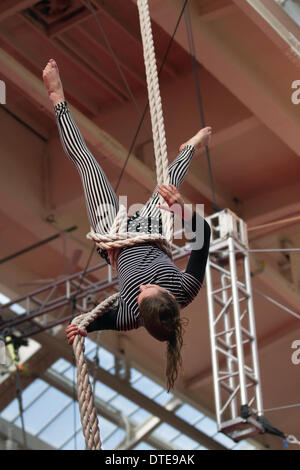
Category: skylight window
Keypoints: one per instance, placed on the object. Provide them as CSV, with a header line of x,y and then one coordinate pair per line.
x,y
16,308
292,8
52,416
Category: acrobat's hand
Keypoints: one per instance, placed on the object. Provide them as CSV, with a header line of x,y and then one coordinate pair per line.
x,y
172,197
175,202
72,331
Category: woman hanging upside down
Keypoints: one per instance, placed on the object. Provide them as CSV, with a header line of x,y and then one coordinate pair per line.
x,y
152,288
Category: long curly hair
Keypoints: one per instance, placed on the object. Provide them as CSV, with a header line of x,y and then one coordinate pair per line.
x,y
161,317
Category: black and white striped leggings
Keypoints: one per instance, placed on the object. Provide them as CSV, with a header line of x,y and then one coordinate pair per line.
x,y
101,201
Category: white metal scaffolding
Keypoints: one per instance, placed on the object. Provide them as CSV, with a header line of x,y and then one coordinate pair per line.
x,y
232,328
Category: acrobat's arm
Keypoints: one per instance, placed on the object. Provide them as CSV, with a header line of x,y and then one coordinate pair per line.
x,y
107,321
200,247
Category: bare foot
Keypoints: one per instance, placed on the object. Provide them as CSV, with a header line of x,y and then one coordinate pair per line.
x,y
201,139
52,83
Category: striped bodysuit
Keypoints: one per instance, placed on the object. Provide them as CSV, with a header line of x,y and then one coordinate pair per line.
x,y
141,264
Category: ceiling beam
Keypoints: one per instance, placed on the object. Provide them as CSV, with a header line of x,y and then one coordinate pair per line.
x,y
240,73
81,57
271,206
216,9
12,7
83,30
78,58
65,24
104,144
93,69
200,177
14,433
24,116
15,46
276,24
232,132
113,14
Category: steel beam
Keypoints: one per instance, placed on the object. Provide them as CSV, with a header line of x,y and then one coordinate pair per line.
x,y
14,433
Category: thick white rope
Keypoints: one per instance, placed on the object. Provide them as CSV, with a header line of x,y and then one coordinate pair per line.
x,y
158,129
88,414
118,237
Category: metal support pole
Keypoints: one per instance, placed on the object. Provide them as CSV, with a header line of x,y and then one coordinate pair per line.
x,y
228,336
236,313
232,327
259,402
213,344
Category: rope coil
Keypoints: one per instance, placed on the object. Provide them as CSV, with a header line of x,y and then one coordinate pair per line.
x,y
118,237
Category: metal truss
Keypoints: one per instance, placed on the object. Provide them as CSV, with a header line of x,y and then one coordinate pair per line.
x,y
232,328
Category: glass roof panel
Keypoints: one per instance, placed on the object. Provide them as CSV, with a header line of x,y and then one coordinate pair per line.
x,y
185,442
43,410
11,412
51,416
16,308
292,8
62,427
75,443
104,392
225,440
114,440
166,432
125,406
147,387
189,413
208,426
35,389
144,446
163,397
140,416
